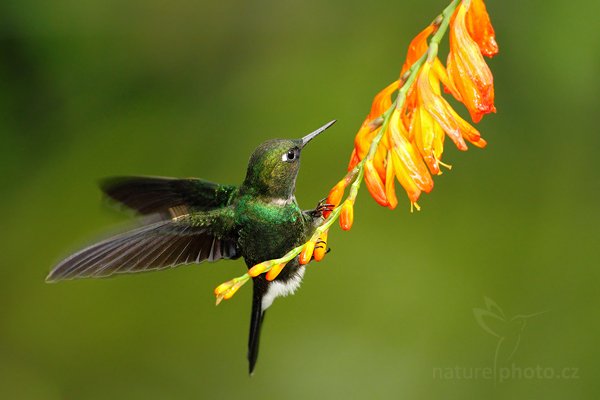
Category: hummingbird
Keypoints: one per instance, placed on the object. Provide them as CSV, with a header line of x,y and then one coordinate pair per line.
x,y
193,220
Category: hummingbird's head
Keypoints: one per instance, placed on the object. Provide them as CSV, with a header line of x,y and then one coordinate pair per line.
x,y
274,165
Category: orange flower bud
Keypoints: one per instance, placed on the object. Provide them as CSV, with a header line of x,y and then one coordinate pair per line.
x,y
347,215
273,272
337,192
321,248
374,184
258,269
307,253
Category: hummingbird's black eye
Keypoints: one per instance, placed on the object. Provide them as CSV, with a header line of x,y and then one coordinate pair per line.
x,y
290,156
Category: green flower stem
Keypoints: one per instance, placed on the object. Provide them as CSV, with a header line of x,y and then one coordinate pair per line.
x,y
356,174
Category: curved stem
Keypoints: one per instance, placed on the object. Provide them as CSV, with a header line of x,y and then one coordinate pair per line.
x,y
382,122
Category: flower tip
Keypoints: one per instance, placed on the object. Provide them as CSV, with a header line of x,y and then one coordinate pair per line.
x,y
481,143
492,49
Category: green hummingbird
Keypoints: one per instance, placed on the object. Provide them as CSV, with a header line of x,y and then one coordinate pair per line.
x,y
193,220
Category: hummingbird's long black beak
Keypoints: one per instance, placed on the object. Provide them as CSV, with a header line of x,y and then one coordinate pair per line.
x,y
314,134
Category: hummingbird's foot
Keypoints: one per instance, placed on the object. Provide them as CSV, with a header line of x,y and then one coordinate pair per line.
x,y
322,209
322,244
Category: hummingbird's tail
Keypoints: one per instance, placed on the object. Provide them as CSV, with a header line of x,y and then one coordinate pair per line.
x,y
256,320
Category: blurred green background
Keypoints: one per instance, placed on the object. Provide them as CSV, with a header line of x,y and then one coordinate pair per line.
x,y
96,88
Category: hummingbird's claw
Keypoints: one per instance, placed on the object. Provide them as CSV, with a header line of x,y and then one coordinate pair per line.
x,y
322,208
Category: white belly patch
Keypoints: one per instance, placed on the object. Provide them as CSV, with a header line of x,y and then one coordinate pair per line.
x,y
281,289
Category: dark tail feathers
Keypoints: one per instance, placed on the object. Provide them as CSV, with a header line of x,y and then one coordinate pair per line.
x,y
256,319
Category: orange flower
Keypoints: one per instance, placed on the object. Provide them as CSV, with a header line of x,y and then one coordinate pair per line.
x,y
374,184
406,154
437,107
480,28
467,69
427,134
417,47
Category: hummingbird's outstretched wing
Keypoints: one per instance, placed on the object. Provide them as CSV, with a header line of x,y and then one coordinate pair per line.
x,y
183,240
147,194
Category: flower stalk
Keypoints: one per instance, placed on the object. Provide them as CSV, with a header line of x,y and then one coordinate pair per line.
x,y
403,139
